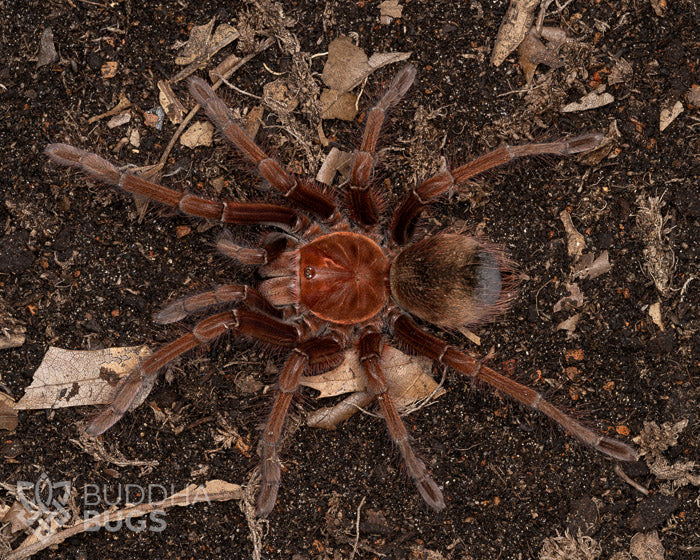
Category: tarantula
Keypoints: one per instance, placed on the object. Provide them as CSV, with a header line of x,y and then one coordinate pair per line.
x,y
330,281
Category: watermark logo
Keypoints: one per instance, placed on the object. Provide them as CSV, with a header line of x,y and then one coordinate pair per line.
x,y
45,501
137,508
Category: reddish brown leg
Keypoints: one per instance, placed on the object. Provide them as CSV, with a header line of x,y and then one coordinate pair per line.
x,y
244,322
405,217
362,200
423,343
226,293
370,357
304,194
228,212
314,350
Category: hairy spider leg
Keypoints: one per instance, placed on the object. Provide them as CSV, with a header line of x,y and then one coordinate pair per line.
x,y
229,212
303,193
363,202
242,322
322,351
371,345
404,221
180,308
412,336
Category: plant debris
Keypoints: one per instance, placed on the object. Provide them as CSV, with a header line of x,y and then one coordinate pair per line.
x,y
591,101
81,377
47,50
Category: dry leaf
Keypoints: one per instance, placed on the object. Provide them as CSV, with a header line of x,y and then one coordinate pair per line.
x,y
655,314
647,546
533,52
338,106
202,44
574,299
329,417
47,50
406,378
669,114
569,324
389,10
621,72
8,413
12,337
199,134
589,268
336,161
591,101
119,120
347,65
81,377
170,103
515,25
694,96
575,242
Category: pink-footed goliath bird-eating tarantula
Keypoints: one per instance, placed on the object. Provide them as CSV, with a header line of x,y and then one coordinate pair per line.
x,y
334,274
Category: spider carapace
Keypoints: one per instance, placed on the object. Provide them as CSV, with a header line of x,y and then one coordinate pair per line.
x,y
339,275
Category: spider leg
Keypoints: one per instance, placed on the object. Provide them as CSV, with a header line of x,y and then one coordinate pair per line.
x,y
410,334
228,212
223,294
363,201
424,194
370,357
304,194
317,350
243,322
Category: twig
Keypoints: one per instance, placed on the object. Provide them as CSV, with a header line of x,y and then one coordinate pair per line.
x,y
357,530
623,475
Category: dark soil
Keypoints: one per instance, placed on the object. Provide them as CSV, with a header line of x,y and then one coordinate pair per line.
x,y
81,271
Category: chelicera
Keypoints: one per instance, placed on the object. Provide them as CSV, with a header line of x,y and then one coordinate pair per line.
x,y
339,275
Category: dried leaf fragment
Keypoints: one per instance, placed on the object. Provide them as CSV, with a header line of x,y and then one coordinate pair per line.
x,y
515,25
336,161
347,64
655,314
202,43
199,134
81,377
574,299
335,106
407,380
647,546
8,413
119,120
621,72
533,52
47,50
389,10
669,114
591,101
589,268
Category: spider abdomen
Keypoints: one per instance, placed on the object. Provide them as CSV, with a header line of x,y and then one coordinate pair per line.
x,y
450,280
343,277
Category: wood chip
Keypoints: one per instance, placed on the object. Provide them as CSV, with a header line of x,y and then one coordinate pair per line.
x,y
389,10
170,103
